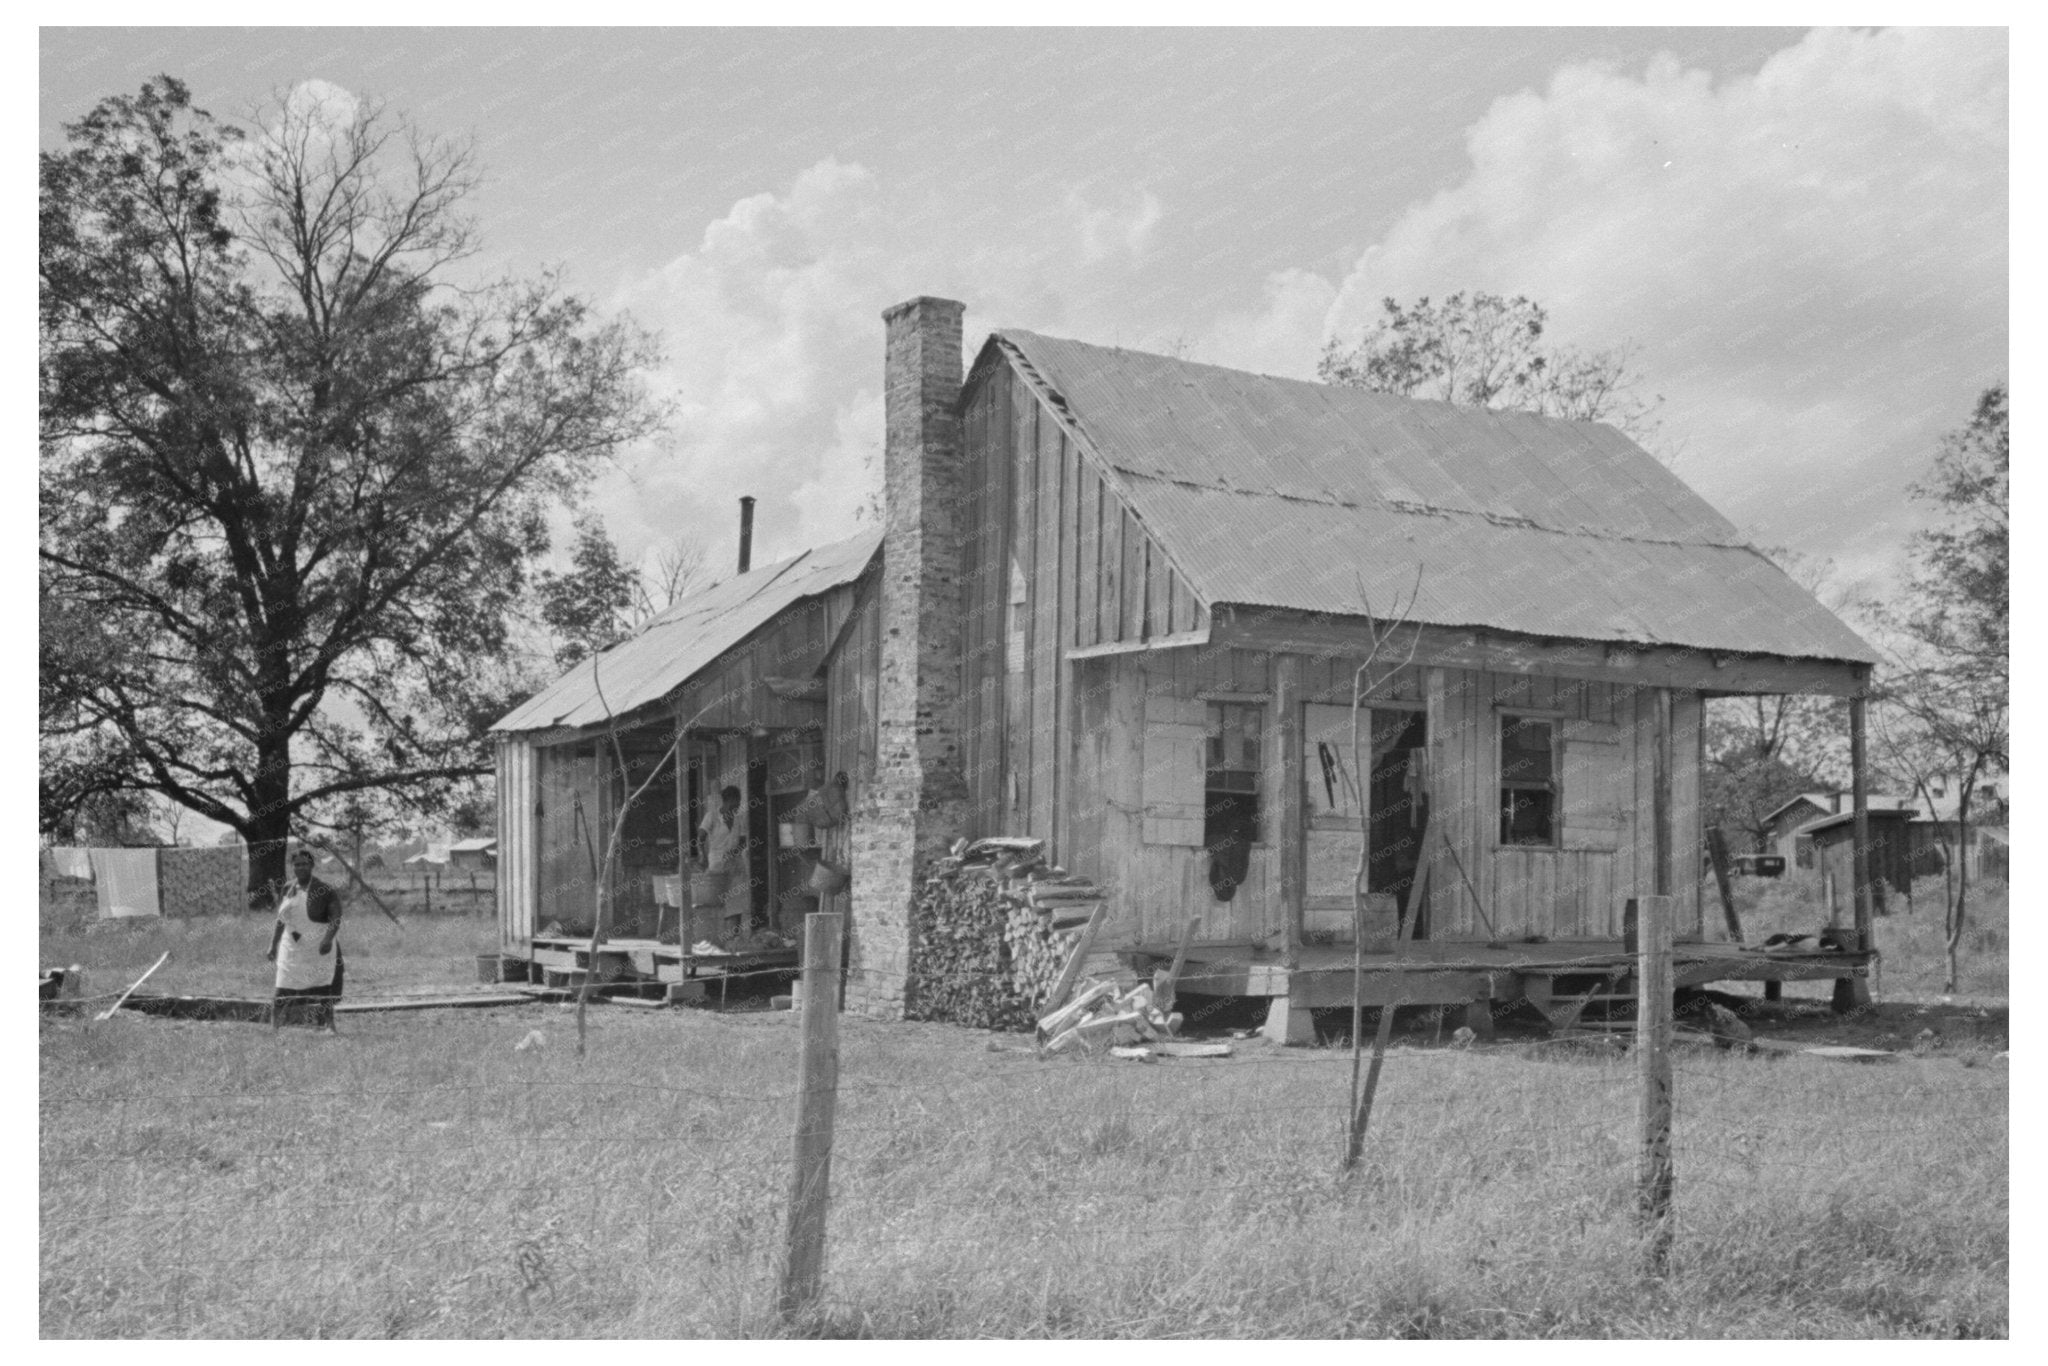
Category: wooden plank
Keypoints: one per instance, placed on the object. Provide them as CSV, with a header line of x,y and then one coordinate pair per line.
x,y
1717,854
1320,989
1158,591
1107,648
1283,630
1083,946
478,1001
1183,606
1088,580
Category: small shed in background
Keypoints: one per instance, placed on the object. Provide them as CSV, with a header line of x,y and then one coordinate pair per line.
x,y
473,856
1891,855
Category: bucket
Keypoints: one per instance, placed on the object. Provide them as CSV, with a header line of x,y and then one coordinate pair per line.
x,y
827,878
708,889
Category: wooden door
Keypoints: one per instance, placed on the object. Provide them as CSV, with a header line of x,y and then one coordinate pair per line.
x,y
1339,796
569,832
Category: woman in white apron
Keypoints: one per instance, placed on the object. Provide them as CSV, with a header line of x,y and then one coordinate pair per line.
x,y
304,945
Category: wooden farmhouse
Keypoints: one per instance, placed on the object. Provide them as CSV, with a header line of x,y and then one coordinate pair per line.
x,y
1121,603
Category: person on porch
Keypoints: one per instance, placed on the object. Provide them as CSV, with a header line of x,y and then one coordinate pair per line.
x,y
725,851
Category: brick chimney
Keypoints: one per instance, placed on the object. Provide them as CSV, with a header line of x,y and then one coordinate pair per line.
x,y
917,804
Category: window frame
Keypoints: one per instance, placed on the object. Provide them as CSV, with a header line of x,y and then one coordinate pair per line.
x,y
1216,725
1551,786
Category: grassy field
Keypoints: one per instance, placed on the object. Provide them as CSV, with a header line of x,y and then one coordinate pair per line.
x,y
425,1175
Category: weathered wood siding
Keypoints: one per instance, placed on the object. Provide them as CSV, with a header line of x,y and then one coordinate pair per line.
x,y
1052,561
1607,777
518,850
852,674
731,692
1135,824
568,819
1083,751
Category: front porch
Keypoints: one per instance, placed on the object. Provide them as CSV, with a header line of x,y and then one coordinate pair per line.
x,y
1558,977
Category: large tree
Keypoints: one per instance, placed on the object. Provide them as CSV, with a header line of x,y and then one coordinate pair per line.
x,y
296,454
1948,693
1487,351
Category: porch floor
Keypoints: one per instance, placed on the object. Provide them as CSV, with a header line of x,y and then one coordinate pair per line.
x,y
1453,972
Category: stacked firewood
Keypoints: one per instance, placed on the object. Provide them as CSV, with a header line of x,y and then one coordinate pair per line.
x,y
1102,1017
994,925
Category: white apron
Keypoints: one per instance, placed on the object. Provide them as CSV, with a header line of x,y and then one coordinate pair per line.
x,y
300,964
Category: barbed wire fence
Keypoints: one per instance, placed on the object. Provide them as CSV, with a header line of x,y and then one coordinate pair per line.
x,y
500,1186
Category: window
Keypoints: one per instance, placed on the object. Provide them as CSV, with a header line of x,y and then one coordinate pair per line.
x,y
1230,796
1528,781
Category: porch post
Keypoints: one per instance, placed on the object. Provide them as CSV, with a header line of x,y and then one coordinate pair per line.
x,y
1293,842
1660,795
1851,992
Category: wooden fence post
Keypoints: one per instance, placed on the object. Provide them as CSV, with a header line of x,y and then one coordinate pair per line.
x,y
817,1101
1653,1057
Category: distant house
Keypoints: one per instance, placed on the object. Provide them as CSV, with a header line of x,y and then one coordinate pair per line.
x,y
473,855
1781,827
1930,832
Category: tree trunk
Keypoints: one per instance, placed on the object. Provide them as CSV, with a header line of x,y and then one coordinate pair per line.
x,y
1955,918
270,821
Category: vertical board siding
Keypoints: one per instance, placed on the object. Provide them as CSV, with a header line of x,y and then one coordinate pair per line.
x,y
518,865
1157,886
1021,451
851,680
1088,513
1131,616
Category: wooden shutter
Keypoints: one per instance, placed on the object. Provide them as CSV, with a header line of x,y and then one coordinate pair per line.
x,y
1175,769
1591,785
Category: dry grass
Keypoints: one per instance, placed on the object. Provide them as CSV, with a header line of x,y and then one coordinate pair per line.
x,y
422,1176
223,955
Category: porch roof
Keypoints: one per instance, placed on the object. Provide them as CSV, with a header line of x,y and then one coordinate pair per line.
x,y
687,637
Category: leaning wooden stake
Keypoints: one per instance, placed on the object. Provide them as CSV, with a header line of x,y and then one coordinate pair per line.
x,y
1653,1056
1083,946
817,1100
108,1013
1717,853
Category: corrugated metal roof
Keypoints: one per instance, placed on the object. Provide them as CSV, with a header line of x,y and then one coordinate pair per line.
x,y
688,635
1280,493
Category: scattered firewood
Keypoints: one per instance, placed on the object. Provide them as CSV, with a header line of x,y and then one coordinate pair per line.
x,y
1102,1013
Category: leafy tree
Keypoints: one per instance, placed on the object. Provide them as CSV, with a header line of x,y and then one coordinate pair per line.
x,y
1961,595
295,456
1488,352
1948,692
590,606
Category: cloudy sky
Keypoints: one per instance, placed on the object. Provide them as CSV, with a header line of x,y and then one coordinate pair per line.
x,y
1804,234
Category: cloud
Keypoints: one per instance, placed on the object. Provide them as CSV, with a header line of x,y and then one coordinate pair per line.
x,y
1283,336
1102,231
1811,259
773,333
